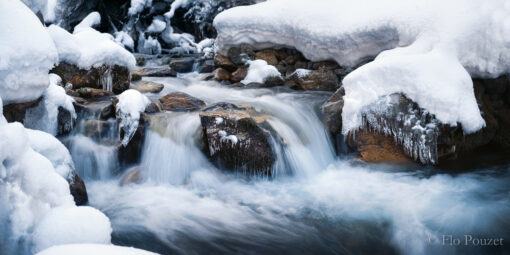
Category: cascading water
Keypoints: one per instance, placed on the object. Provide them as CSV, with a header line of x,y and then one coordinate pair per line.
x,y
316,202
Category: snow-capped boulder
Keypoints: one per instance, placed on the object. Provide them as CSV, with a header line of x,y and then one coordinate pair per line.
x,y
238,138
27,54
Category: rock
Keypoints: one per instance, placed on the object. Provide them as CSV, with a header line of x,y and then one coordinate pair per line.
x,y
332,118
93,93
236,137
324,80
98,128
181,102
111,78
147,86
239,74
131,154
268,55
206,66
224,62
377,148
16,112
241,54
65,121
78,189
274,81
161,71
182,65
221,74
132,175
153,108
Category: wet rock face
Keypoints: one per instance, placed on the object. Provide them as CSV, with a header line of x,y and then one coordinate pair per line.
x,y
182,65
375,147
91,93
161,71
181,102
237,138
65,121
110,78
78,189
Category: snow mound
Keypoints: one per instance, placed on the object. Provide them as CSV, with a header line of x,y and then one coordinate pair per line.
x,y
97,249
131,104
427,50
259,71
27,53
86,47
44,116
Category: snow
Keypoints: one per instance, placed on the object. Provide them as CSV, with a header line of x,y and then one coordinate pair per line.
x,y
45,115
123,38
225,137
36,207
97,249
301,73
259,71
157,26
138,6
27,53
148,46
426,49
86,47
131,104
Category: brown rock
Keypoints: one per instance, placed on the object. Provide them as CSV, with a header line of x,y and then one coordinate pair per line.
x,y
268,55
181,102
324,80
132,175
16,112
93,93
224,62
161,71
221,74
239,74
147,86
377,148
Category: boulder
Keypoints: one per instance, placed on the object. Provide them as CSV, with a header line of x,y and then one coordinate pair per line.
x,y
224,62
239,74
16,112
375,147
93,93
78,189
206,66
221,74
324,80
238,138
268,55
241,54
181,102
111,78
131,153
147,86
182,65
161,71
332,118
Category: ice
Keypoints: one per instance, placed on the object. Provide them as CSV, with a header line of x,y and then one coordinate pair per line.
x,y
27,53
45,115
148,46
427,50
225,137
97,249
259,71
131,104
86,47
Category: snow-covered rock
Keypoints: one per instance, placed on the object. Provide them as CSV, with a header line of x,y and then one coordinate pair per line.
x,y
131,103
27,53
97,249
259,71
427,50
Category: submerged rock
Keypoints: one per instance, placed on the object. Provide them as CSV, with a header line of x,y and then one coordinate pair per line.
x,y
181,102
236,137
110,78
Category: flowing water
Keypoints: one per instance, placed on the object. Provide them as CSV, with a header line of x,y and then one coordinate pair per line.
x,y
316,202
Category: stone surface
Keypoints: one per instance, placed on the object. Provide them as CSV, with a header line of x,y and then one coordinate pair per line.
x,y
324,80
181,102
16,112
377,148
161,71
65,121
268,55
132,175
224,62
221,74
182,65
239,74
78,189
147,86
93,93
241,54
237,138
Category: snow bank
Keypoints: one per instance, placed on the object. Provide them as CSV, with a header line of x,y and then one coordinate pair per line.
x,y
36,207
44,116
131,104
436,47
27,53
88,249
87,47
259,71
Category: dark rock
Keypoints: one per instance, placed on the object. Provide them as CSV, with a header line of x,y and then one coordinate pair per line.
x,y
65,121
221,74
153,108
241,54
16,112
236,137
147,86
93,93
325,65
78,189
332,112
206,66
178,101
182,65
239,74
161,71
224,62
115,78
132,152
274,81
98,128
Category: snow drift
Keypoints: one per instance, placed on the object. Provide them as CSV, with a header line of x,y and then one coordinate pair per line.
x,y
427,50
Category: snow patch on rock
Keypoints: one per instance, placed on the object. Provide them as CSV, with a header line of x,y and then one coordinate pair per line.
x,y
259,71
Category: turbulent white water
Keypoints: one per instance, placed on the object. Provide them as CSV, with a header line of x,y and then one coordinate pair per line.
x,y
317,203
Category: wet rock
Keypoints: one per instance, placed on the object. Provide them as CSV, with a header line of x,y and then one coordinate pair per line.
x,y
153,108
111,78
206,66
179,101
16,112
182,65
241,54
98,128
65,121
131,153
325,65
93,93
377,148
224,62
239,74
78,189
221,74
274,81
161,71
132,175
147,86
324,80
268,55
332,118
236,137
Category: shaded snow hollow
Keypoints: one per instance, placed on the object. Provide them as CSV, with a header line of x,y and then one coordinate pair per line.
x,y
426,49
